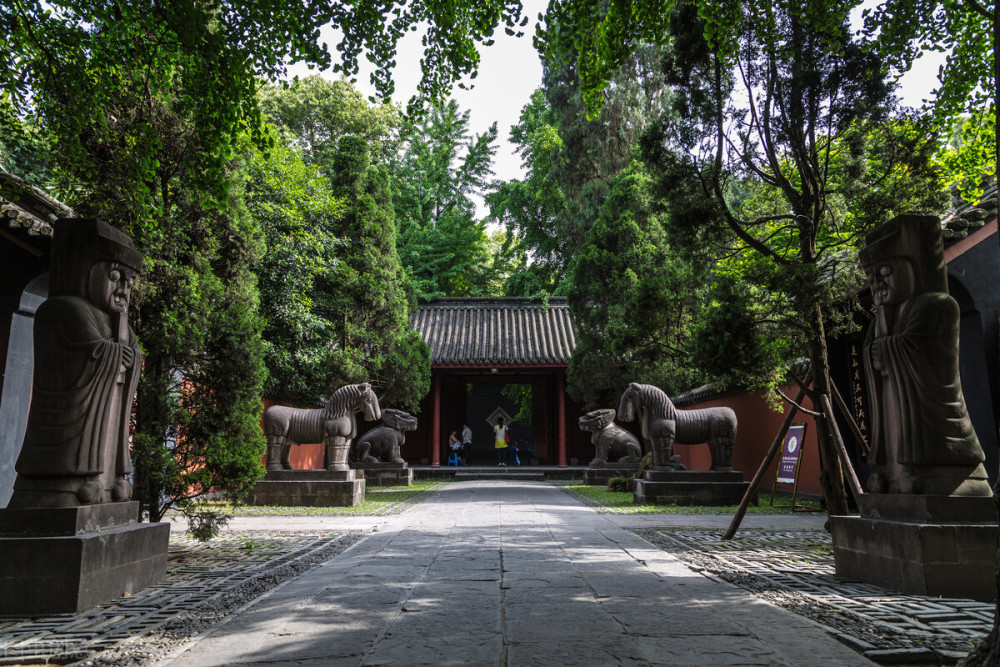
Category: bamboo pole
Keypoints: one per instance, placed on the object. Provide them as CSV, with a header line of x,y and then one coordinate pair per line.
x,y
845,460
755,482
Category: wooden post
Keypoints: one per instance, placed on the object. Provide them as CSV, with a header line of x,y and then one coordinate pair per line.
x,y
561,426
436,421
759,475
838,440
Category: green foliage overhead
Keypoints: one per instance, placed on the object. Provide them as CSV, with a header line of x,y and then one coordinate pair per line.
x,y
969,80
316,112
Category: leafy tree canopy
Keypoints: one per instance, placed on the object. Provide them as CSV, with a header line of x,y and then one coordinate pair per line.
x,y
443,247
969,80
316,112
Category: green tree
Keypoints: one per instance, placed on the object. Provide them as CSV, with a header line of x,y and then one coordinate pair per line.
x,y
295,207
530,209
632,299
317,112
571,162
368,301
442,246
967,30
767,94
196,316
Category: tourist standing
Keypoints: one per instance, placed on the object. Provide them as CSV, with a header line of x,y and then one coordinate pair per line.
x,y
466,442
500,438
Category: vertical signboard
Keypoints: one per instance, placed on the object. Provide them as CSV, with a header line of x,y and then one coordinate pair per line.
x,y
791,452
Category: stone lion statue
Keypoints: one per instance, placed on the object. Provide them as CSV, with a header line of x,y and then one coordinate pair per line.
x,y
386,438
612,443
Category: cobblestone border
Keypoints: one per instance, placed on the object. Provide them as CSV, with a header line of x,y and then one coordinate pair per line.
x,y
205,583
795,570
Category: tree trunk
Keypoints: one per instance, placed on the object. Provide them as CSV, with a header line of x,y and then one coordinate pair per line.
x,y
831,476
151,422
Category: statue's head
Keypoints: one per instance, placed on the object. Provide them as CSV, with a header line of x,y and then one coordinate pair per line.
x,y
597,420
95,261
109,286
903,257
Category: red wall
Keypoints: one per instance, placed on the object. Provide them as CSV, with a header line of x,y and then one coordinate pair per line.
x,y
757,425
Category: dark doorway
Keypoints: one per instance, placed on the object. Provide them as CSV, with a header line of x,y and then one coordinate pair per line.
x,y
484,400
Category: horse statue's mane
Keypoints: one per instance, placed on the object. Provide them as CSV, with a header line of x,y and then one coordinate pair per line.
x,y
341,400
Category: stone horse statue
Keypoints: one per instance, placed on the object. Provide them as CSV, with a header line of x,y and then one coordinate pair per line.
x,y
385,439
611,442
663,424
334,425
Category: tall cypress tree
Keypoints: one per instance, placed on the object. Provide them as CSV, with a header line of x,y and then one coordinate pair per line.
x,y
370,303
632,299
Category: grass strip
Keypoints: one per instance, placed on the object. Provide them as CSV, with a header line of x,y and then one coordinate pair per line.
x,y
622,502
379,501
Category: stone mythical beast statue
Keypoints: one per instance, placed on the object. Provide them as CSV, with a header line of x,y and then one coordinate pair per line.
x,y
663,425
386,438
611,442
334,425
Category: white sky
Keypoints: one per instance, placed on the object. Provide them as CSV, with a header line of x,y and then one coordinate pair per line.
x,y
510,71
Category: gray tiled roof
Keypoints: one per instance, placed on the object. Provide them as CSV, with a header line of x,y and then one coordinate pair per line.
x,y
496,331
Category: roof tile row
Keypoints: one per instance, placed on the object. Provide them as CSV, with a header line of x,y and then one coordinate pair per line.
x,y
496,331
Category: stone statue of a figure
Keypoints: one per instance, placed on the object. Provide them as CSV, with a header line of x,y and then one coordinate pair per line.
x,y
87,365
922,438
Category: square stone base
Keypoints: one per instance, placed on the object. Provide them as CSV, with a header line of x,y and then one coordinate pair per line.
x,y
385,474
68,559
600,474
920,545
308,488
690,487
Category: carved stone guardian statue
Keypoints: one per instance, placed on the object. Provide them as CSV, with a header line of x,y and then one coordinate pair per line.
x,y
87,365
923,441
70,536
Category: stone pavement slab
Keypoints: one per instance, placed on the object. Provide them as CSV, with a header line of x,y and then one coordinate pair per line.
x,y
510,573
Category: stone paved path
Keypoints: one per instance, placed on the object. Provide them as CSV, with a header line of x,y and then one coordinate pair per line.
x,y
488,573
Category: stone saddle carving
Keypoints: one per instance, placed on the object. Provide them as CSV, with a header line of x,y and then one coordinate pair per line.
x,y
334,425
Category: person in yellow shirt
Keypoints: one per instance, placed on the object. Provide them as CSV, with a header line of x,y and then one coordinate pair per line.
x,y
500,441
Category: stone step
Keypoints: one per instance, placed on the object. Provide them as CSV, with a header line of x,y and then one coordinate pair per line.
x,y
500,474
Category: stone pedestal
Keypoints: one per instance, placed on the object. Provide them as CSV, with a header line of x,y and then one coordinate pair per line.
x,y
690,487
385,474
309,488
600,473
920,545
67,559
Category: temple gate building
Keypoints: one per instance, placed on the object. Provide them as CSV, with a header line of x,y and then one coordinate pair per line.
x,y
478,347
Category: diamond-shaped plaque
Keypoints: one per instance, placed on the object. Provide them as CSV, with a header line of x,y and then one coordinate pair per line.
x,y
496,414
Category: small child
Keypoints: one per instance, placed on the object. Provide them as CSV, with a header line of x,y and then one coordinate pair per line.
x,y
513,454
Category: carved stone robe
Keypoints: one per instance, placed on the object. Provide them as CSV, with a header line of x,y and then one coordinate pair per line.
x,y
919,415
81,395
